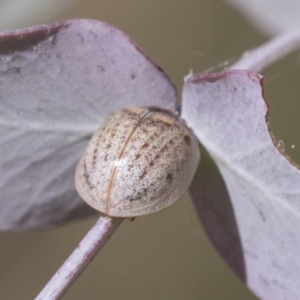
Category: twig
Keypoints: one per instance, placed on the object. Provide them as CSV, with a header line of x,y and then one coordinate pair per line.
x,y
270,52
79,259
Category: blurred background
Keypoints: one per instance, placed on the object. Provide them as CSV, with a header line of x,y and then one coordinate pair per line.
x,y
166,255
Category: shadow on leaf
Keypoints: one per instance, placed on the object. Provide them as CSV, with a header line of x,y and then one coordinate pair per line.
x,y
214,208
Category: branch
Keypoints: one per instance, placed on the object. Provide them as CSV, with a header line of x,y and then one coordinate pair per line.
x,y
270,52
79,259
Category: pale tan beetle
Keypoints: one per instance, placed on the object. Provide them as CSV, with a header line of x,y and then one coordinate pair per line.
x,y
141,160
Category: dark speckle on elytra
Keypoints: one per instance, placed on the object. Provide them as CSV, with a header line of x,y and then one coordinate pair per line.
x,y
169,178
146,145
157,157
187,140
95,156
137,156
163,149
143,174
85,175
108,146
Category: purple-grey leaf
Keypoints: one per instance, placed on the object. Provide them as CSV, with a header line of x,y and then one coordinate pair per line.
x,y
57,84
249,201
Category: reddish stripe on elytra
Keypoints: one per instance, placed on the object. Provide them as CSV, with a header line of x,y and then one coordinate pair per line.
x,y
114,172
156,158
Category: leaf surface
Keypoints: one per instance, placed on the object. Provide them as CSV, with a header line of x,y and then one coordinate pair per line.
x,y
248,200
57,84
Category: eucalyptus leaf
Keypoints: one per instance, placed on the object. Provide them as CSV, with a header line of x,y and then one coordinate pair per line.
x,y
248,196
57,84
